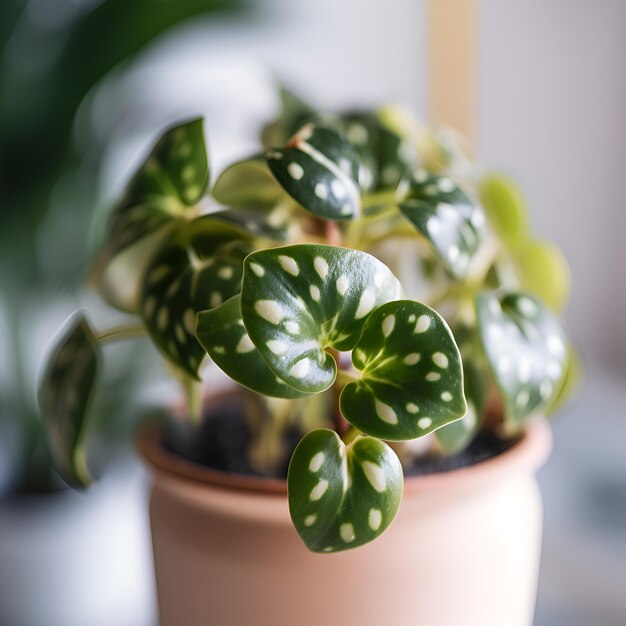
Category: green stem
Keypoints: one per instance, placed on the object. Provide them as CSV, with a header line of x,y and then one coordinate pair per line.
x,y
121,332
193,391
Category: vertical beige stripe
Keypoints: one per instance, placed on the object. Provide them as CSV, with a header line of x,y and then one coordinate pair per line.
x,y
452,65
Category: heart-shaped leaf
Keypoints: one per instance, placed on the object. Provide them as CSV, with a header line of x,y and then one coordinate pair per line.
x,y
412,380
319,169
341,497
446,216
248,184
526,350
223,335
296,301
199,268
506,208
173,177
543,270
64,398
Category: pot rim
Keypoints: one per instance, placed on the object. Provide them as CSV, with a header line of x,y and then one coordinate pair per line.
x,y
529,452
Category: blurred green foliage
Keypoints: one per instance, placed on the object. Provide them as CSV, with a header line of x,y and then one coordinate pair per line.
x,y
52,55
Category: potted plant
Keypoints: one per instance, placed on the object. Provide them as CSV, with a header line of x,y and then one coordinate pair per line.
x,y
377,300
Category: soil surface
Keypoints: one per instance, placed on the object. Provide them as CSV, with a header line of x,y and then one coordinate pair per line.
x,y
222,441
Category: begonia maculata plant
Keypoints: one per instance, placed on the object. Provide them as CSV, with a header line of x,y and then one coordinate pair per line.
x,y
360,259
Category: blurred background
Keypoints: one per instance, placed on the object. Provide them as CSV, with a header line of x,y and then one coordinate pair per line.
x,y
86,85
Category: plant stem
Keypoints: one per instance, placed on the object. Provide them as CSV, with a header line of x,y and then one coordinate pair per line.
x,y
193,391
333,233
121,332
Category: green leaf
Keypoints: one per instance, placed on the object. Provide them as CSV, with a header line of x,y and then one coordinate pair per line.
x,y
199,268
173,178
458,435
386,157
543,270
506,208
248,184
341,497
319,169
252,224
574,371
412,380
223,335
294,113
64,399
297,301
526,350
446,216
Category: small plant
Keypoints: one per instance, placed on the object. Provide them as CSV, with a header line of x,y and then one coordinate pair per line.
x,y
281,274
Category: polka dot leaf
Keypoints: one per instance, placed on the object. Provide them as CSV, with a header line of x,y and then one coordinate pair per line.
x,y
165,188
64,398
199,268
319,169
446,216
297,301
253,224
341,497
223,335
173,178
412,378
526,350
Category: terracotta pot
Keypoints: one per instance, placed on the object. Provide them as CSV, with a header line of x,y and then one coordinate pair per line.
x,y
463,551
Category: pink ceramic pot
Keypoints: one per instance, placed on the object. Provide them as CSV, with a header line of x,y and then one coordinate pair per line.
x,y
463,551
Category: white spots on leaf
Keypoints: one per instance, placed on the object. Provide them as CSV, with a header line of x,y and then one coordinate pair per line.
x,y
424,422
180,333
257,269
423,323
431,190
374,519
445,184
411,318
375,475
188,172
277,347
319,490
192,191
158,273
316,462
477,218
150,306
301,368
556,346
412,358
337,188
269,310
421,176
215,299
390,174
314,290
433,376
295,170
378,279
385,412
523,370
245,344
446,396
440,360
163,318
292,327
219,349
522,399
527,306
346,209
225,273
494,307
189,320
321,191
321,267
366,304
342,284
388,325
546,389
411,407
453,253
289,264
357,133
433,226
346,532
274,154
309,520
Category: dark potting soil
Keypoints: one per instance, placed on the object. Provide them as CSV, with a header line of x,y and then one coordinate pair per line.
x,y
221,443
